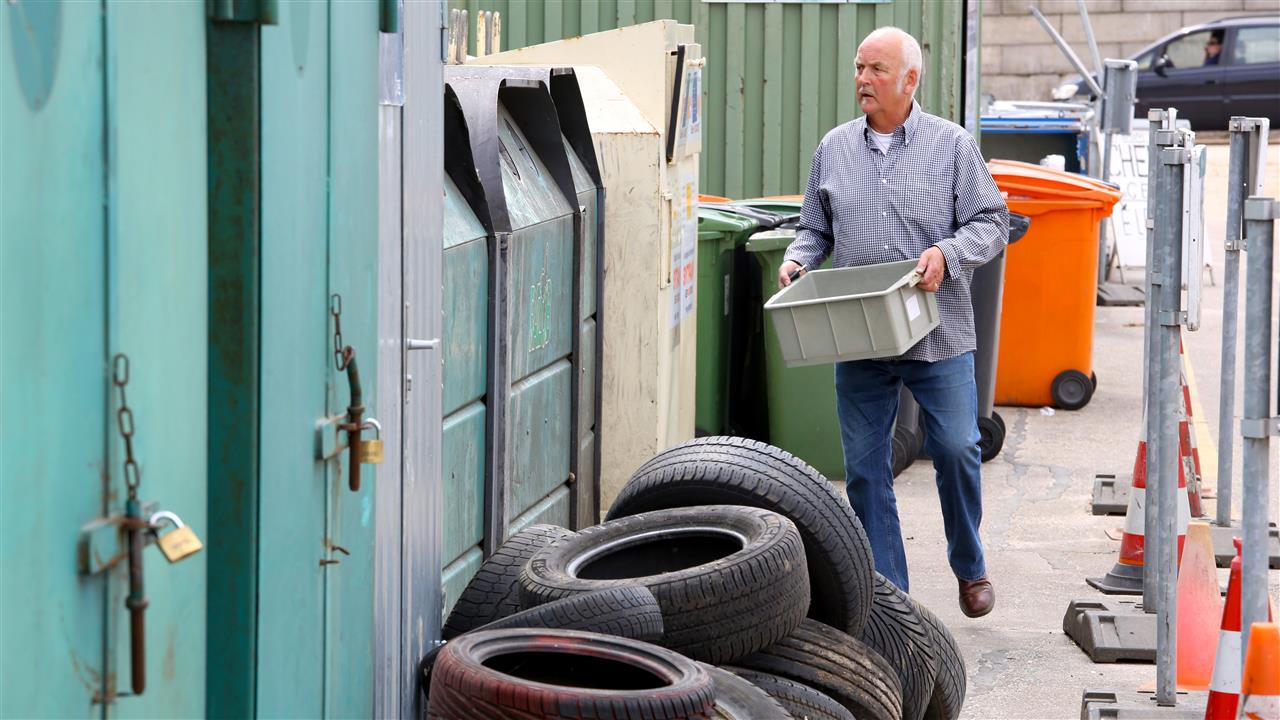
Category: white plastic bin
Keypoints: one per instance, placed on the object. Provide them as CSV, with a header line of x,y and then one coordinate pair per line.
x,y
856,313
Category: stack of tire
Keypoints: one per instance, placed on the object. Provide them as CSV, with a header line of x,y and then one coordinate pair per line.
x,y
729,580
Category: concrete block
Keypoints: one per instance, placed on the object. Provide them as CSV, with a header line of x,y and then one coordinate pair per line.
x,y
1019,87
991,55
1165,6
991,8
1122,27
1034,60
1069,7
1015,30
1267,6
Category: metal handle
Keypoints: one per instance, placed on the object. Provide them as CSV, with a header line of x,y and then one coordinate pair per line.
x,y
414,344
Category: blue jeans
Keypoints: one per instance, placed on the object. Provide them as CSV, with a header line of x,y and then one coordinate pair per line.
x,y
866,404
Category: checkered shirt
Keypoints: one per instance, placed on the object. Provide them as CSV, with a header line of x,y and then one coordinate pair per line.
x,y
931,188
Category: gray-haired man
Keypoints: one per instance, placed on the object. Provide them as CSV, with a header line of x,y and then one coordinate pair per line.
x,y
894,185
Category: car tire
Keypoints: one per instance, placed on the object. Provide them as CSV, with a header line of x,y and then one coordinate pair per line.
x,y
837,664
797,698
897,631
745,472
520,673
494,592
729,579
630,611
950,683
739,699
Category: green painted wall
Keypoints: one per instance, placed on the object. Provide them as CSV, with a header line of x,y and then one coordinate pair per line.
x,y
778,76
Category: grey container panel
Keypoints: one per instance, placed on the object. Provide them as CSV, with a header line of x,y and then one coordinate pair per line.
x,y
531,193
539,295
586,374
456,575
463,470
586,480
539,441
855,313
465,343
550,510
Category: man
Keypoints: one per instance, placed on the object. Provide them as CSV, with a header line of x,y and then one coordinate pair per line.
x,y
1213,47
893,185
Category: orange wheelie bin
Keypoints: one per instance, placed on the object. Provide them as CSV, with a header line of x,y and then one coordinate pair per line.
x,y
1050,286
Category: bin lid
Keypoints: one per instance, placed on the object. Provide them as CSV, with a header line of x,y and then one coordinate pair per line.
x,y
718,222
770,240
1025,181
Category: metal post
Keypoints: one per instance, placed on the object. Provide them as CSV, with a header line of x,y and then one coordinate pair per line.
x,y
1236,192
1159,120
1088,36
1257,425
1104,173
1167,391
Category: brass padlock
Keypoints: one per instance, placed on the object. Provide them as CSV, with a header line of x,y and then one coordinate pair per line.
x,y
370,451
177,544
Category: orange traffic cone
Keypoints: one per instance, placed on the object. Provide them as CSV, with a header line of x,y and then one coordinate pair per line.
x,y
1188,453
1260,688
1199,609
1224,689
1125,577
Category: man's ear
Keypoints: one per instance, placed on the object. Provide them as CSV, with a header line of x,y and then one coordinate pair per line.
x,y
913,81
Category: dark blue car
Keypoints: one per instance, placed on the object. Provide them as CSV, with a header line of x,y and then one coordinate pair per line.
x,y
1209,72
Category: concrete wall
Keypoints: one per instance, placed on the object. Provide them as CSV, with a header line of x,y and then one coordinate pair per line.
x,y
1021,62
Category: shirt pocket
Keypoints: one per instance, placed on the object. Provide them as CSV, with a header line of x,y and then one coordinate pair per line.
x,y
928,203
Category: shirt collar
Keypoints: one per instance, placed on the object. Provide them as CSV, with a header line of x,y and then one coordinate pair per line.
x,y
908,127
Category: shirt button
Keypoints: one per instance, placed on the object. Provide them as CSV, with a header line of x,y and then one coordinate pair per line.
x,y
884,180
885,213
886,247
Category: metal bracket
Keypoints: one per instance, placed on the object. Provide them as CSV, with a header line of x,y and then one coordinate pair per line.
x,y
1169,319
1166,137
1175,155
264,12
102,543
1260,428
330,438
1260,208
1243,124
1236,245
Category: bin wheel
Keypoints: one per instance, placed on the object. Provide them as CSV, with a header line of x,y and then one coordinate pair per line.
x,y
901,445
999,421
1071,390
990,437
1093,379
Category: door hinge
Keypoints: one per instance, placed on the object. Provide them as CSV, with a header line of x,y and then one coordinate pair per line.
x,y
263,12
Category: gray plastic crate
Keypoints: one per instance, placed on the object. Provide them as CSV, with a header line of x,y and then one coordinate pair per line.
x,y
856,313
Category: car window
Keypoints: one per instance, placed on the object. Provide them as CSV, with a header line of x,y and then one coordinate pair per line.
x,y
1190,51
1257,45
1144,60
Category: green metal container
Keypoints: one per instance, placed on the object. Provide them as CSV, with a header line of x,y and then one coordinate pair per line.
x,y
802,400
778,76
521,302
720,234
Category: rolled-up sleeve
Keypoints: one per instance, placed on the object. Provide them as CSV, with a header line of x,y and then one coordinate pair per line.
x,y
814,238
982,217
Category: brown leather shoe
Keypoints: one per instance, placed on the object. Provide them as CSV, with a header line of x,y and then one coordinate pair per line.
x,y
976,597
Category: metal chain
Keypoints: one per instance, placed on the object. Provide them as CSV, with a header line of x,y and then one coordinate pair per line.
x,y
339,356
124,421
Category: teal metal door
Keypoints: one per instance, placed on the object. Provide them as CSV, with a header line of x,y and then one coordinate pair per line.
x,y
103,219
304,92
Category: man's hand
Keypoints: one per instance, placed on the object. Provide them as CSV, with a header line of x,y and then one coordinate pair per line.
x,y
932,268
784,272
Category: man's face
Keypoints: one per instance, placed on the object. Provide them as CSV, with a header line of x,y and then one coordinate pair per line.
x,y
880,84
1212,47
